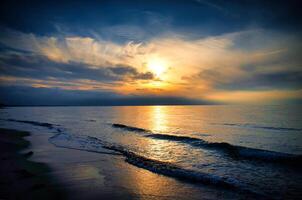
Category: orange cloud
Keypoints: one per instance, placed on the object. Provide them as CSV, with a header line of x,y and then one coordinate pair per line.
x,y
192,68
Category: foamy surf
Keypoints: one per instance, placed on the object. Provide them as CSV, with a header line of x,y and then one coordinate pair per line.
x,y
238,152
84,143
50,126
35,123
233,150
274,128
129,128
92,144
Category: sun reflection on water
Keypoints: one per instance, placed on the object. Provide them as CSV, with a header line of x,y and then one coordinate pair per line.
x,y
158,118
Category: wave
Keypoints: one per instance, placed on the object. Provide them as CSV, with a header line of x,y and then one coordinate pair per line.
x,y
237,152
87,143
169,169
233,150
90,120
35,123
129,128
263,127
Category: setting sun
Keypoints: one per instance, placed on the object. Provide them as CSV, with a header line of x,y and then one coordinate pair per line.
x,y
157,66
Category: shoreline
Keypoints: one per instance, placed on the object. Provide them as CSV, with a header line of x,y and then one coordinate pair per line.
x,y
63,173
22,178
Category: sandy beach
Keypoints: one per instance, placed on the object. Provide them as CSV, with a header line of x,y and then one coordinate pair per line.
x,y
20,177
38,169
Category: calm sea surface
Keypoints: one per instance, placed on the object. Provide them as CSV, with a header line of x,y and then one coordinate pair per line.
x,y
254,149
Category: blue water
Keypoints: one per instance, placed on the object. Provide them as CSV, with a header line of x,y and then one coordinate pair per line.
x,y
253,149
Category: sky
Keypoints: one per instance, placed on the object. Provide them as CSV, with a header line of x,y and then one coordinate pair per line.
x,y
150,52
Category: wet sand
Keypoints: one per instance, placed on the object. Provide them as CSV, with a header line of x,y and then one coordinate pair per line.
x,y
73,174
21,178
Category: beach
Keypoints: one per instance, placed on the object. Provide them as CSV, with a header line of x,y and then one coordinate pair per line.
x,y
20,177
99,155
39,170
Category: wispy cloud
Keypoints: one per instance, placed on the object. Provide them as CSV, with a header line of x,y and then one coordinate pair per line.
x,y
208,67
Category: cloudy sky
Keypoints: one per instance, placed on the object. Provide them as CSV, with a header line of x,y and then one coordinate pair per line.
x,y
150,52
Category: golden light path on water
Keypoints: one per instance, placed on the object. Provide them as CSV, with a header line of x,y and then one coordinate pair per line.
x,y
159,118
155,119
145,181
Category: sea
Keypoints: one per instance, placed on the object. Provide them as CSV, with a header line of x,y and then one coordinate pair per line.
x,y
253,149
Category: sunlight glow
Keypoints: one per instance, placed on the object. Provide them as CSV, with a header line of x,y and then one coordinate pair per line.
x,y
157,65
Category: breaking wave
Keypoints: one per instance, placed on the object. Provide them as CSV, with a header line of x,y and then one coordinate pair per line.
x,y
50,126
35,123
172,170
263,127
129,128
87,143
238,152
233,150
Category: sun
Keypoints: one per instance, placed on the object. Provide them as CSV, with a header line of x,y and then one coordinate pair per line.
x,y
157,65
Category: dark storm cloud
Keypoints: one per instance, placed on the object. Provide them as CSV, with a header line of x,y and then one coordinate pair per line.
x,y
40,67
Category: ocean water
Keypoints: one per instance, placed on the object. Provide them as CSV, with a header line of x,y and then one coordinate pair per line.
x,y
255,150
